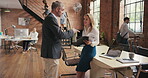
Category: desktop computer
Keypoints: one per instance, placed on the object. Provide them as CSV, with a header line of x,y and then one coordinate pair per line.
x,y
21,33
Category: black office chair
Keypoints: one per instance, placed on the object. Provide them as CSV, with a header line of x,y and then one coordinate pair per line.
x,y
143,68
142,51
17,45
70,61
66,42
142,71
31,46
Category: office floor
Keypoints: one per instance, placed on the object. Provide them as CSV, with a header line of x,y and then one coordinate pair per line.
x,y
29,65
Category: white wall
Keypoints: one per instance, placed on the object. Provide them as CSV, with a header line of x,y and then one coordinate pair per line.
x,y
0,24
121,13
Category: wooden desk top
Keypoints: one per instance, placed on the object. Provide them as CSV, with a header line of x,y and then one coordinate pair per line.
x,y
4,37
9,38
19,39
112,63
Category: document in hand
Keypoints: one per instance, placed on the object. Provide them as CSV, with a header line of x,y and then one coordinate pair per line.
x,y
80,41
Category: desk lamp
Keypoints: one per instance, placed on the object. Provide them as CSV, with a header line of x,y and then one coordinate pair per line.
x,y
6,29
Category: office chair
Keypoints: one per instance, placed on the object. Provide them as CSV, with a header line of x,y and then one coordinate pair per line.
x,y
142,51
142,72
66,42
143,68
32,46
17,45
70,61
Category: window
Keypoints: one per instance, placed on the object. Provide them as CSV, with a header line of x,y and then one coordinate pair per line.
x,y
134,9
95,11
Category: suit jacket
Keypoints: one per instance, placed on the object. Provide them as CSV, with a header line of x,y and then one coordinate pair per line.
x,y
51,38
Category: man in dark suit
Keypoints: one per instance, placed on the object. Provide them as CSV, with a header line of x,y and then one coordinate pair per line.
x,y
51,40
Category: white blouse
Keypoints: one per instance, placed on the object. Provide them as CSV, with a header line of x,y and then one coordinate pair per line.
x,y
93,35
33,35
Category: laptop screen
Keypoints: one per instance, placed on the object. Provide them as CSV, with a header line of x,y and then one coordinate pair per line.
x,y
114,51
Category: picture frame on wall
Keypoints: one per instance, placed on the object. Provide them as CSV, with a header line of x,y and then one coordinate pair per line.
x,y
23,21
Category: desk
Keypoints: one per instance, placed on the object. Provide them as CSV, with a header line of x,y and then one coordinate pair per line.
x,y
99,64
4,37
16,39
19,39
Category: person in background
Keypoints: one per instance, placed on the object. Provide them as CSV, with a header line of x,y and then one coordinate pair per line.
x,y
63,20
32,35
89,50
125,31
51,40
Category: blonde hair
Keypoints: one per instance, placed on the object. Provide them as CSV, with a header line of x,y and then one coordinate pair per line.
x,y
92,22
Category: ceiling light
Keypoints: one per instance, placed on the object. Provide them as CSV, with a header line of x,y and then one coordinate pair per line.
x,y
7,10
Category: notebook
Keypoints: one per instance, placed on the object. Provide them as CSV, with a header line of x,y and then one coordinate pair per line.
x,y
112,53
127,61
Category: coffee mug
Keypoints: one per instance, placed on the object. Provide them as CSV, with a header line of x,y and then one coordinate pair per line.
x,y
131,55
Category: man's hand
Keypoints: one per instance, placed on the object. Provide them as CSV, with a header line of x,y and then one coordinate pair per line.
x,y
75,30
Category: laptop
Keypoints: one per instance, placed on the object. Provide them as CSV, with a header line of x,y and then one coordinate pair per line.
x,y
112,53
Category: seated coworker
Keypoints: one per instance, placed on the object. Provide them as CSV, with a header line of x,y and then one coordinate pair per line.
x,y
33,35
89,50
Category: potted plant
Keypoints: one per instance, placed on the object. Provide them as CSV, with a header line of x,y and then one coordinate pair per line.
x,y
102,39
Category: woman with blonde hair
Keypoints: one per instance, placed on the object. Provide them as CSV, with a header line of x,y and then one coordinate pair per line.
x,y
89,50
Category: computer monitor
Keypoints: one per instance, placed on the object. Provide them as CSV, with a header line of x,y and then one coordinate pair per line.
x,y
19,33
1,33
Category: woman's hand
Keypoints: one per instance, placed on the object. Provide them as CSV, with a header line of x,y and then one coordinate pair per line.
x,y
87,42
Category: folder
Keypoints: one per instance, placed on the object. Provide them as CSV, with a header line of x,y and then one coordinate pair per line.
x,y
80,41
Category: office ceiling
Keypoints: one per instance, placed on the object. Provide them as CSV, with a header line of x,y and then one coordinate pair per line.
x,y
10,4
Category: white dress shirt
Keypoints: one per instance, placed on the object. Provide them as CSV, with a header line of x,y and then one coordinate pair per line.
x,y
93,35
63,19
124,29
54,16
33,35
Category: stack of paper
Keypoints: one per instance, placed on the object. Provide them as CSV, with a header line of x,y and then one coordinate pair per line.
x,y
127,61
